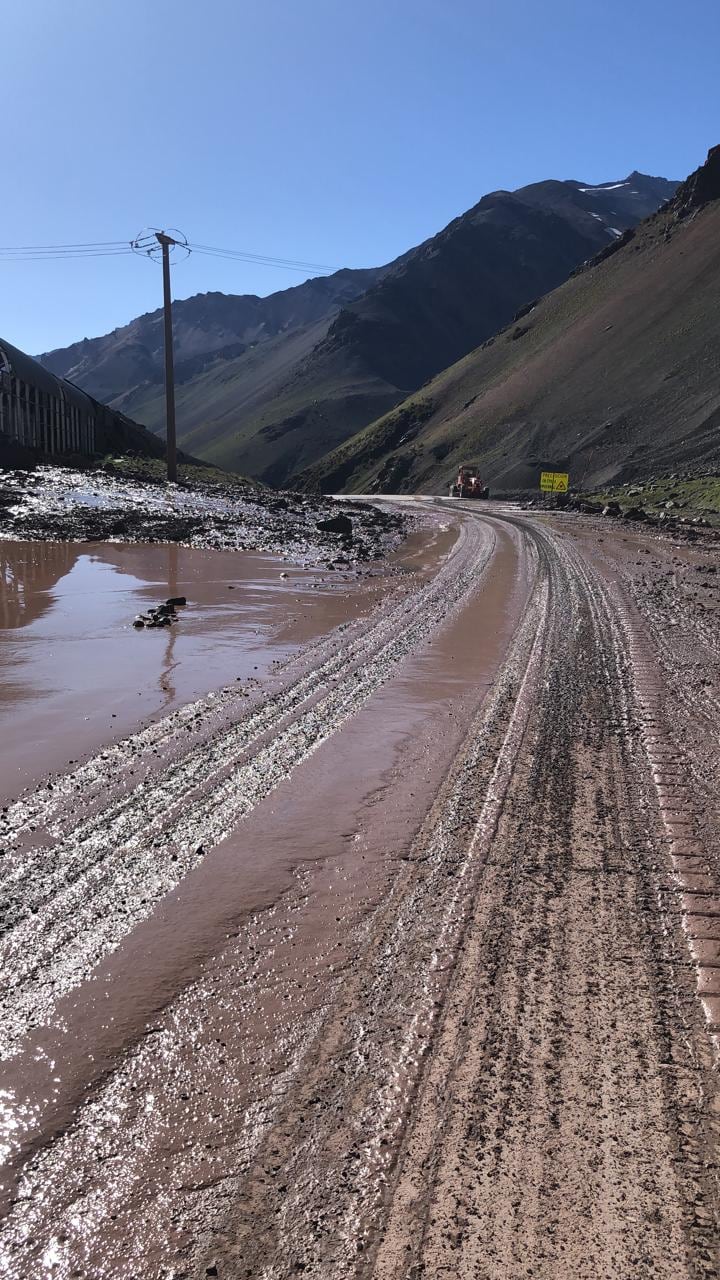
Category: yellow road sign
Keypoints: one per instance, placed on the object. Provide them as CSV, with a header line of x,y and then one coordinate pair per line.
x,y
554,481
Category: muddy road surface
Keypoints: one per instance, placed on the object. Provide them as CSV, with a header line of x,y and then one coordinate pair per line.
x,y
403,962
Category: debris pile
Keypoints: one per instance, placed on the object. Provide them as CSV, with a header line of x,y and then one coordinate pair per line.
x,y
61,504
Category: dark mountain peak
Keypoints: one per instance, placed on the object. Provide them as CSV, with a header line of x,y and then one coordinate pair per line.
x,y
638,176
489,198
635,184
700,188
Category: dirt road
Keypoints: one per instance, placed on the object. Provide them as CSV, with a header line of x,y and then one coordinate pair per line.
x,y
407,964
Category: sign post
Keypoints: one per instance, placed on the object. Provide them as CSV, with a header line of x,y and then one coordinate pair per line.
x,y
554,481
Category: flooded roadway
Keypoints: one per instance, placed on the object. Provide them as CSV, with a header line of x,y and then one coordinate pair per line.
x,y
74,675
262,952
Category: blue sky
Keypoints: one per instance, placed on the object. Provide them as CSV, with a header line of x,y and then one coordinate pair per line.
x,y
332,131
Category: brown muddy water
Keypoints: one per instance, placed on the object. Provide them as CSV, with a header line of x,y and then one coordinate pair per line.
x,y
75,675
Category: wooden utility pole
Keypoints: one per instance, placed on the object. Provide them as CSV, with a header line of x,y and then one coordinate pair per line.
x,y
165,242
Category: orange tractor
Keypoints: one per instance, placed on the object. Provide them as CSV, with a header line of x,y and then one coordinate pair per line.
x,y
469,484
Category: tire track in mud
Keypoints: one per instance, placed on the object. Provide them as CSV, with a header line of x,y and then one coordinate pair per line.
x,y
678,730
358,1074
57,1178
458,1230
545,1104
511,1077
685,781
113,852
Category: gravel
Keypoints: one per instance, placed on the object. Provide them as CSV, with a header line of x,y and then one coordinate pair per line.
x,y
62,504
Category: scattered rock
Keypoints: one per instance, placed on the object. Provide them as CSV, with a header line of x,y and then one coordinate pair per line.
x,y
50,503
336,524
163,615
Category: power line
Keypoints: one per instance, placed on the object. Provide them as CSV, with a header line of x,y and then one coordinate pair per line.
x,y
258,262
63,253
114,248
30,253
61,257
52,248
268,260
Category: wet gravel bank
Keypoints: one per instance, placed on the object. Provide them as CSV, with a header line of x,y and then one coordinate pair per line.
x,y
62,504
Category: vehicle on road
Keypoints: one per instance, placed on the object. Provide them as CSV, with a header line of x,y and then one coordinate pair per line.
x,y
469,484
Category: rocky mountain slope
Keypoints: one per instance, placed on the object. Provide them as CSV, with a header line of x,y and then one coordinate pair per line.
x,y
611,375
267,386
125,365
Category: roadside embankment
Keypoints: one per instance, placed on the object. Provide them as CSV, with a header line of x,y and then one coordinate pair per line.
x,y
123,503
676,500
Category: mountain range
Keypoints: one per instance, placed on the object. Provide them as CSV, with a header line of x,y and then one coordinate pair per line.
x,y
611,376
269,386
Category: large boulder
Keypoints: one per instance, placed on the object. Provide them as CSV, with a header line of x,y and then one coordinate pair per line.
x,y
336,524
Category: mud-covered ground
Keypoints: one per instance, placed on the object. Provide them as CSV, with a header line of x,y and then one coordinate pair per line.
x,y
406,963
62,504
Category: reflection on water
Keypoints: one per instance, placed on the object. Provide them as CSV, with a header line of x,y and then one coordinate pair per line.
x,y
28,572
166,685
74,673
